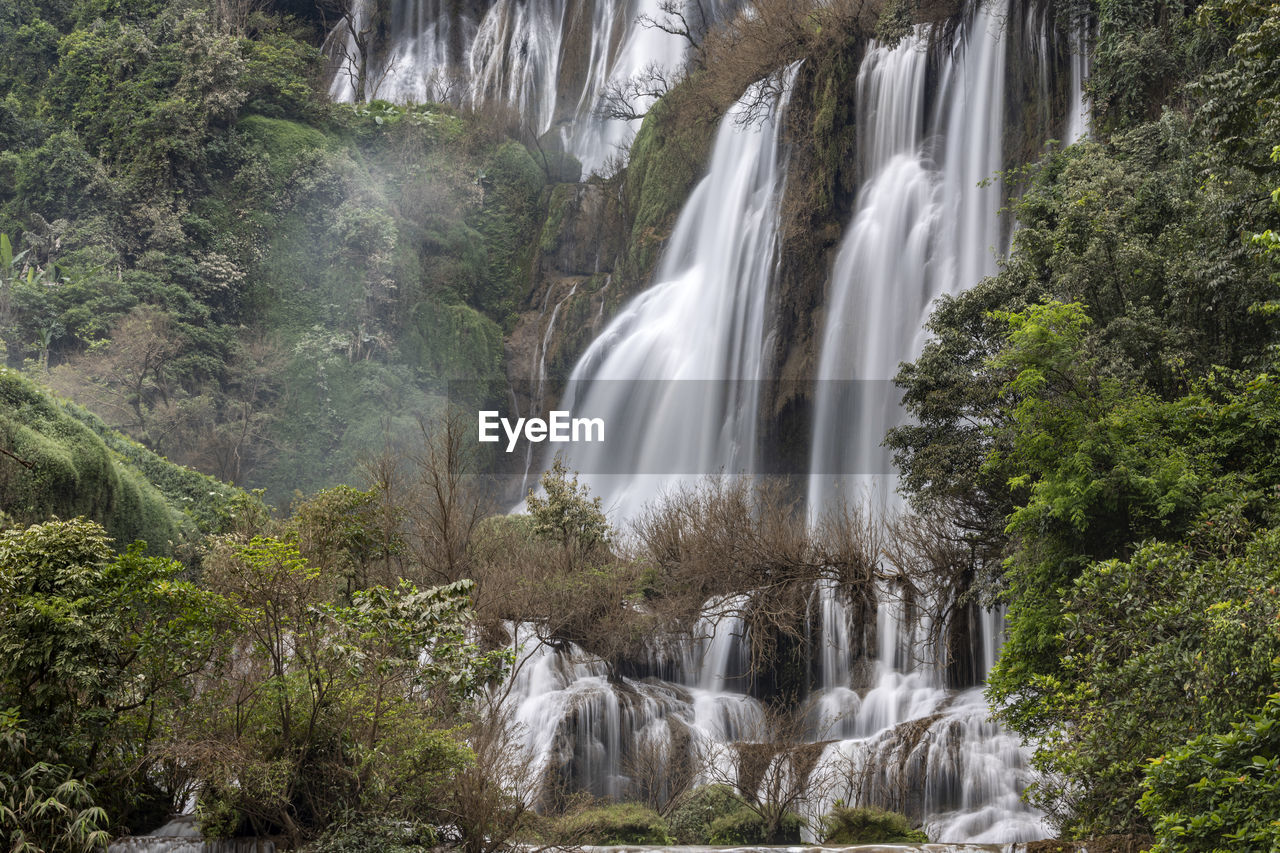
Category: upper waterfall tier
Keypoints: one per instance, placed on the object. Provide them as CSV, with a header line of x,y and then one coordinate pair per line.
x,y
704,321
552,61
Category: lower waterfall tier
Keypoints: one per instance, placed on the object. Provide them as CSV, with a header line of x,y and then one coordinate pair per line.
x,y
868,732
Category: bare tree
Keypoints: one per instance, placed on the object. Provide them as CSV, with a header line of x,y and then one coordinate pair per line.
x,y
442,497
488,801
351,46
773,768
235,16
663,770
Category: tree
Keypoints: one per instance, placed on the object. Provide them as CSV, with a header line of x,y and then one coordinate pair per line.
x,y
43,808
98,651
128,377
566,513
333,710
1141,573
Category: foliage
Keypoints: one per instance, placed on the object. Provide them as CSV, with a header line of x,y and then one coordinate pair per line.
x,y
1219,792
176,162
691,820
42,807
616,823
747,826
59,466
845,825
98,651
1098,420
376,836
333,708
1108,468
565,513
348,531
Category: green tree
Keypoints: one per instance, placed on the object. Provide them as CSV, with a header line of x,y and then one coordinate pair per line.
x,y
1220,792
566,513
43,808
97,650
333,710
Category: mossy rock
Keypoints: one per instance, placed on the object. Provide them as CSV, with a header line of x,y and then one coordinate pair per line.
x,y
282,140
691,821
617,823
844,825
745,826
60,467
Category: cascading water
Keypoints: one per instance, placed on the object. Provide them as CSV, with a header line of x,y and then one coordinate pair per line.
x,y
672,373
926,223
1079,107
553,61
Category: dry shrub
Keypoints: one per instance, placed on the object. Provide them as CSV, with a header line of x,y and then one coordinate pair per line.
x,y
731,535
487,804
571,594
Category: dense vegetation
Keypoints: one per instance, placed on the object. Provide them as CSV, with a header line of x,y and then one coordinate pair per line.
x,y
231,272
1099,421
226,267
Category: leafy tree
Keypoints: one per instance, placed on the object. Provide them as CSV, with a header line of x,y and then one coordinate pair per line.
x,y
333,710
1220,792
566,513
43,809
98,651
1145,523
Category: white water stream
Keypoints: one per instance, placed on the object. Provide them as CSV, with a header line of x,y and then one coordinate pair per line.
x,y
552,61
926,223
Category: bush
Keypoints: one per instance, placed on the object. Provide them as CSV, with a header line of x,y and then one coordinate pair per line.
x,y
376,836
1219,792
745,826
691,821
618,823
843,825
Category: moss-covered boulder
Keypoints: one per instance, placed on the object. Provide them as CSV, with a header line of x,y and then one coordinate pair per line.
x,y
58,460
843,825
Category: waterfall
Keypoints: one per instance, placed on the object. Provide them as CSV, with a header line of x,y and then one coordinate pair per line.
x,y
1079,108
182,835
673,375
925,225
931,120
553,61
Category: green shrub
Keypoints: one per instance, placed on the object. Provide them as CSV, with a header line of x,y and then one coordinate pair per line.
x,y
745,826
616,823
376,836
1219,792
843,825
691,821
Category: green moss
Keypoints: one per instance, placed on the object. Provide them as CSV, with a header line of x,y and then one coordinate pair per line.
x,y
691,821
617,823
452,342
72,472
562,202
282,138
508,221
204,500
869,826
668,157
745,826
